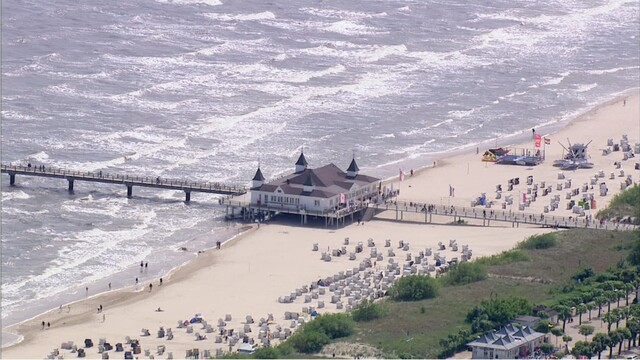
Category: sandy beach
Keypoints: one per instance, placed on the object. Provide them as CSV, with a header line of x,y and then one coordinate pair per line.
x,y
250,272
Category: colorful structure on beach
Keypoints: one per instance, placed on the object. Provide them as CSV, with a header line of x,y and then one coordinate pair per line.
x,y
322,189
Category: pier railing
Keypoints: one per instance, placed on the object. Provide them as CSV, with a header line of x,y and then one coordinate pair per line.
x,y
128,180
514,217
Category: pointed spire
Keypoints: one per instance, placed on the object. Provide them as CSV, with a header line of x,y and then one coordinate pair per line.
x,y
301,164
258,176
301,160
352,170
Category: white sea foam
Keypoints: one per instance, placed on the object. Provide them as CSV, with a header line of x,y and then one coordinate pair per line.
x,y
347,27
265,15
585,87
14,194
383,136
190,2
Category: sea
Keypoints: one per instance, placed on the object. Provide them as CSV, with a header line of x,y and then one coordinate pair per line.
x,y
208,90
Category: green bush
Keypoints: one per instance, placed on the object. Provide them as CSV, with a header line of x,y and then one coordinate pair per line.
x,y
333,325
538,242
465,273
309,341
499,311
546,348
266,353
505,257
626,203
368,310
414,287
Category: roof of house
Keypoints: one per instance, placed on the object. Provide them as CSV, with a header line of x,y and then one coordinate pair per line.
x,y
506,338
327,181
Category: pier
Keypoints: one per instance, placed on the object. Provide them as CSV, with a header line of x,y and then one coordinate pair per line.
x,y
424,213
127,180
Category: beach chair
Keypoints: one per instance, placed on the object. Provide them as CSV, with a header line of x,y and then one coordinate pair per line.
x,y
170,355
189,329
128,355
105,356
169,334
227,317
119,347
145,332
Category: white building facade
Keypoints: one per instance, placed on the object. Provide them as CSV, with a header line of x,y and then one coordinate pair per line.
x,y
509,342
322,189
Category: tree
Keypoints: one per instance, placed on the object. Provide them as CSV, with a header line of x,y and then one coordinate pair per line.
x,y
614,339
624,335
590,306
567,339
582,348
600,300
634,326
611,296
628,288
581,309
610,318
557,332
599,342
546,348
586,330
564,313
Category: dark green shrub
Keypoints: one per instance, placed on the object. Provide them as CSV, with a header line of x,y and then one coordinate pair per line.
x,y
414,287
368,310
537,242
582,274
465,273
333,325
266,353
309,341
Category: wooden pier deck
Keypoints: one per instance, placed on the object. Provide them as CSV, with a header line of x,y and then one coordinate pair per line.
x,y
129,181
485,216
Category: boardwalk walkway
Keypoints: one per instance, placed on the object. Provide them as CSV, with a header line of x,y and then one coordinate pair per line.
x,y
129,181
515,218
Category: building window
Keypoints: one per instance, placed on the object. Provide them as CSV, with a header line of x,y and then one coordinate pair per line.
x,y
316,202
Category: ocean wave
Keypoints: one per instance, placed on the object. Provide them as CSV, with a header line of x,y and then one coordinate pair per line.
x,y
191,2
383,136
265,15
13,195
585,87
346,27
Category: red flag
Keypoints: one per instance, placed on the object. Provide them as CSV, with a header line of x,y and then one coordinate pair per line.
x,y
538,140
401,175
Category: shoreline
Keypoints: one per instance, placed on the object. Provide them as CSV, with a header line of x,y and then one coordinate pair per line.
x,y
132,289
184,271
515,139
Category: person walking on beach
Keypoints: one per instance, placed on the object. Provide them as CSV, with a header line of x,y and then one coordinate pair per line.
x,y
136,281
109,286
146,265
48,325
103,317
42,324
150,287
86,289
160,281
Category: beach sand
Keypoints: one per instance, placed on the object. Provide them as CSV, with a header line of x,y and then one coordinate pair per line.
x,y
248,274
